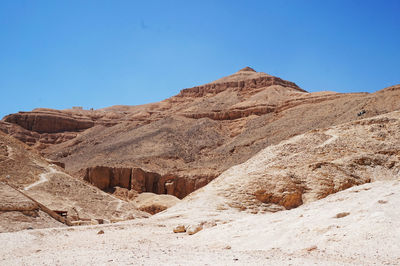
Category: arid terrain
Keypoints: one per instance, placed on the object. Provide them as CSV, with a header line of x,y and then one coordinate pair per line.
x,y
248,169
180,144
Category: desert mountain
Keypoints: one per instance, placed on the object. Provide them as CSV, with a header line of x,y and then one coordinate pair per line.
x,y
236,212
180,144
282,176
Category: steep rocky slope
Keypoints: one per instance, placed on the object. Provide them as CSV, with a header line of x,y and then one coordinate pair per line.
x,y
300,170
45,183
180,144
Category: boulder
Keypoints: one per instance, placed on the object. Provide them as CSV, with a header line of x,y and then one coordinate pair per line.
x,y
193,229
153,203
179,229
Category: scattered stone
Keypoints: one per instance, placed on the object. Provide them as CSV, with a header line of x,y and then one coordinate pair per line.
x,y
209,224
193,229
382,201
100,232
179,229
342,214
311,248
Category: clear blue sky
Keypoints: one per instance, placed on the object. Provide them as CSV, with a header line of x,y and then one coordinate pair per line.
x,y
59,54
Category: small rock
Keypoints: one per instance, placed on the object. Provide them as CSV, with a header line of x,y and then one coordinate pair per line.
x,y
180,229
342,214
193,229
208,224
100,232
382,201
309,249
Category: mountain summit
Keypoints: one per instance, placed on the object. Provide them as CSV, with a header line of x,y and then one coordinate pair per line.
x,y
247,69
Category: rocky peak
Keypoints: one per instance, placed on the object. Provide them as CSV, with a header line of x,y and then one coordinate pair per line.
x,y
246,69
246,79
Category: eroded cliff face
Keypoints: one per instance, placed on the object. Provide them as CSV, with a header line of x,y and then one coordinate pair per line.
x,y
48,122
106,178
233,114
241,86
44,127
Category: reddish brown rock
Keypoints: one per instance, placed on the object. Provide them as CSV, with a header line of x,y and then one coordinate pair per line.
x,y
48,122
106,178
121,177
242,85
99,176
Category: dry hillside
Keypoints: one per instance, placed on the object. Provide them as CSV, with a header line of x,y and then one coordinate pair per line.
x,y
275,209
180,144
48,184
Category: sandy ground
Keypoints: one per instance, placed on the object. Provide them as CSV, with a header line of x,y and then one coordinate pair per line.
x,y
358,226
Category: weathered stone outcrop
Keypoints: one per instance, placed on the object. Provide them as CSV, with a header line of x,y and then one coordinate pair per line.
x,y
45,127
233,113
48,122
32,138
107,178
154,203
243,85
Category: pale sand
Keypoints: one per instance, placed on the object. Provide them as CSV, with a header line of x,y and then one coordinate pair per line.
x,y
308,235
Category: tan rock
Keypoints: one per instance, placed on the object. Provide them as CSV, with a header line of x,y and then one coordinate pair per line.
x,y
179,229
193,229
153,203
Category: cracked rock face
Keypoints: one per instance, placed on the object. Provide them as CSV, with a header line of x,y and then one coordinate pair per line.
x,y
136,179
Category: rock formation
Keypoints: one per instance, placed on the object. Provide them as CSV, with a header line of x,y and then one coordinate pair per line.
x,y
106,178
154,203
180,144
